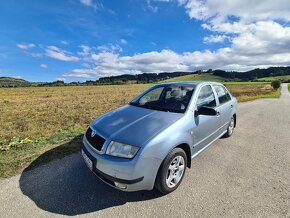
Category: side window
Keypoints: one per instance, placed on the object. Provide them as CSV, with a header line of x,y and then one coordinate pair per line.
x,y
206,97
153,95
222,93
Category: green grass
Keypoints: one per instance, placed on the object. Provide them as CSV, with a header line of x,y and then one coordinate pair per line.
x,y
289,87
208,77
22,152
244,83
270,79
196,77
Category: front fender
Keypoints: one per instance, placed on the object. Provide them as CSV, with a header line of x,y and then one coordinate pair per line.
x,y
177,134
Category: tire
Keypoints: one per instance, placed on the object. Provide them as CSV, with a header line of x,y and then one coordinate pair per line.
x,y
231,128
166,172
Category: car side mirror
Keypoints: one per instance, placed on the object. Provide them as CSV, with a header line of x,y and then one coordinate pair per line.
x,y
207,111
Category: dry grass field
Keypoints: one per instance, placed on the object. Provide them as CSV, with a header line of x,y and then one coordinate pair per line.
x,y
35,120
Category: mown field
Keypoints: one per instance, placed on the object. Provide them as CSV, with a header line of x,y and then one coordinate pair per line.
x,y
196,77
212,78
35,120
270,79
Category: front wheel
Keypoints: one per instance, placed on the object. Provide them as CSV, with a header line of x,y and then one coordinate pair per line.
x,y
171,171
230,129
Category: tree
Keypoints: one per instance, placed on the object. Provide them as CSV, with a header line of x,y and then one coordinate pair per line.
x,y
276,84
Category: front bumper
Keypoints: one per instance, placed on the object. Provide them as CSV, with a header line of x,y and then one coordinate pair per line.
x,y
134,174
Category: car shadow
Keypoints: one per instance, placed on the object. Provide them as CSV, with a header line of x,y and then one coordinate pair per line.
x,y
66,186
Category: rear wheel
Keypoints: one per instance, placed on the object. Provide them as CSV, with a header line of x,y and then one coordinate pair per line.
x,y
231,128
171,171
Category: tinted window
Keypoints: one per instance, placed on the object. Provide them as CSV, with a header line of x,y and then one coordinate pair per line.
x,y
154,95
206,97
173,98
222,93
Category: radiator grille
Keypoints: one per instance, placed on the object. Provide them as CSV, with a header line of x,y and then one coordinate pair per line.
x,y
95,140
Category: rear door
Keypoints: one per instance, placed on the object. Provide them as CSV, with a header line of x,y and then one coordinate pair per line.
x,y
206,129
225,106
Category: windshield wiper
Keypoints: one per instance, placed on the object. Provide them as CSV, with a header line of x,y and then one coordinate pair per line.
x,y
155,107
134,104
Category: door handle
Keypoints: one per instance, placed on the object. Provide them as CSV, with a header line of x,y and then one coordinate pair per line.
x,y
217,113
231,106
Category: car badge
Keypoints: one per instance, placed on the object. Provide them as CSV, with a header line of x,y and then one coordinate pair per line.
x,y
93,133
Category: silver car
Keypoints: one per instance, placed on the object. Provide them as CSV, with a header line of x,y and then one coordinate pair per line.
x,y
151,141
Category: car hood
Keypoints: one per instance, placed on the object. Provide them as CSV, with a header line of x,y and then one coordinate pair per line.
x,y
134,125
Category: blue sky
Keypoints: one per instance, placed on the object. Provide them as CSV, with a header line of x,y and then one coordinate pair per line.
x,y
77,40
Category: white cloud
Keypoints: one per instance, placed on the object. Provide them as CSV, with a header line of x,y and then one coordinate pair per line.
x,y
123,41
64,42
25,46
257,36
86,65
150,7
59,54
110,48
111,11
90,3
215,38
228,58
43,66
247,10
85,50
258,44
81,73
87,2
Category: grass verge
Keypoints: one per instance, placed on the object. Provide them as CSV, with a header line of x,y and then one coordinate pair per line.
x,y
275,94
14,160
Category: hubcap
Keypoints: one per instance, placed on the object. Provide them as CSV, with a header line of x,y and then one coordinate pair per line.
x,y
231,126
175,171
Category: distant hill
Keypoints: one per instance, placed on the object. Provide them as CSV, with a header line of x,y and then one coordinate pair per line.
x,y
142,78
213,75
197,77
270,79
269,74
254,74
13,82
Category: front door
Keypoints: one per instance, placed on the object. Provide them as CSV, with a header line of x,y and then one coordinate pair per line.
x,y
207,127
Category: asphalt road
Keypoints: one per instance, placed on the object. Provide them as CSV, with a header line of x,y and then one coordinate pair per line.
x,y
246,175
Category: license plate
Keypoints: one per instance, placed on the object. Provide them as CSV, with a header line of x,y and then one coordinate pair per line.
x,y
87,160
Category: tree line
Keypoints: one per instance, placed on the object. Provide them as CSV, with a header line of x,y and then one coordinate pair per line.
x,y
251,75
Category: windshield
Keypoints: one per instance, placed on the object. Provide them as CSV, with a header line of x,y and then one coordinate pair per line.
x,y
172,98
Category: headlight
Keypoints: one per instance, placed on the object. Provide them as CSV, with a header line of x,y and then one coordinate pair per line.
x,y
121,150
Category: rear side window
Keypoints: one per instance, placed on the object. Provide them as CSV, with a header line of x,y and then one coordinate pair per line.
x,y
206,97
222,93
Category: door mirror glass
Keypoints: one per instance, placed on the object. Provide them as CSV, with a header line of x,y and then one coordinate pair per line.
x,y
207,111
